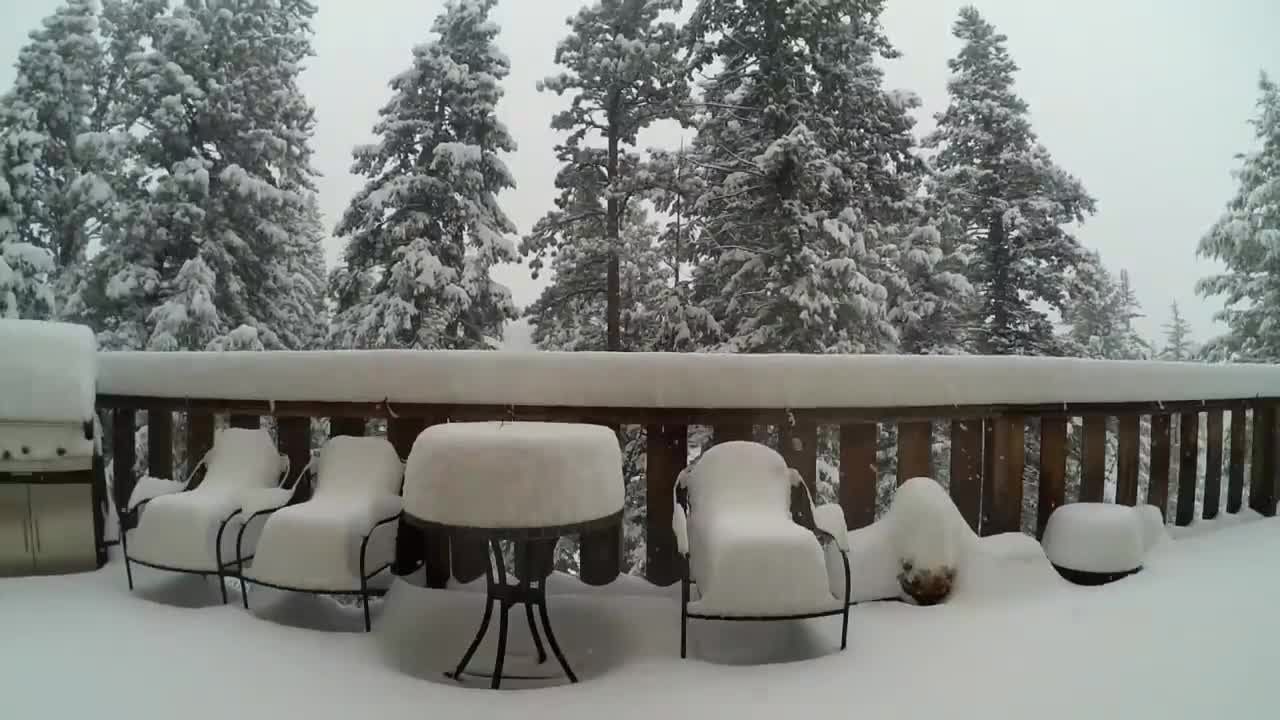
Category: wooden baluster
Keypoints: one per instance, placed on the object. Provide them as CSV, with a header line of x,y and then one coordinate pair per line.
x,y
1158,484
966,469
1127,460
914,450
414,547
1004,457
1213,465
858,474
1262,480
353,426
1093,478
199,442
293,437
249,422
160,443
667,452
1239,452
728,432
1189,456
799,440
123,454
1053,469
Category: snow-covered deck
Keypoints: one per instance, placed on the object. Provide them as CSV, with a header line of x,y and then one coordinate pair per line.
x,y
1195,635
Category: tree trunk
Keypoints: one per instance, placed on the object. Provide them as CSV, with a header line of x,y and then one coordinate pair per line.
x,y
613,281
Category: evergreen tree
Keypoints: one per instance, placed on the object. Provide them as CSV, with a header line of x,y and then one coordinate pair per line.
x,y
1099,313
620,67
1009,198
426,228
1177,336
25,267
1246,239
803,156
222,182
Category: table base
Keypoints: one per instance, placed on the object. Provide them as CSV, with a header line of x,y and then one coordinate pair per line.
x,y
534,557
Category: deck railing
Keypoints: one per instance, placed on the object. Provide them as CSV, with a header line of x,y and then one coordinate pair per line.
x,y
989,408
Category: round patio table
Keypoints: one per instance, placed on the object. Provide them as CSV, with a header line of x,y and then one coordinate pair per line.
x,y
526,484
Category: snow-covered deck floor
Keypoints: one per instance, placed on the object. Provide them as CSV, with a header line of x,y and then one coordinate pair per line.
x,y
1197,635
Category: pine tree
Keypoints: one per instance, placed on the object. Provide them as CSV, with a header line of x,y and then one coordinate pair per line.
x,y
1247,240
223,185
802,152
426,228
25,268
1009,198
620,68
1177,336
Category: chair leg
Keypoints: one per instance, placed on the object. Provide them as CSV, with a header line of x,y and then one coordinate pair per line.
x,y
364,600
501,657
128,572
684,618
244,591
844,629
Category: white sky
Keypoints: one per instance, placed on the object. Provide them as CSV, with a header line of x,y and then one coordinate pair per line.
x,y
1145,100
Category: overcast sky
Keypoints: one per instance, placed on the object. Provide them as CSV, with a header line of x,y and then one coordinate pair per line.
x,y
1145,100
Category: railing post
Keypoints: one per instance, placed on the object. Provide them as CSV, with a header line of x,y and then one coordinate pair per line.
x,y
353,426
858,474
666,453
915,450
1213,465
799,439
123,454
1262,481
1093,476
1158,484
199,441
248,422
1239,451
293,437
1004,456
1127,460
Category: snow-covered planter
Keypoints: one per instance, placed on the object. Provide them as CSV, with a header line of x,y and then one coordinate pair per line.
x,y
928,536
1098,543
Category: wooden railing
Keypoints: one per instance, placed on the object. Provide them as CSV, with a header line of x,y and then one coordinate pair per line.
x,y
989,442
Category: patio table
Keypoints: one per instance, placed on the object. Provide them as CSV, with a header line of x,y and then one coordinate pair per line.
x,y
523,483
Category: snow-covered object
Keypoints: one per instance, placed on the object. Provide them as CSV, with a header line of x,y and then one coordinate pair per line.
x,y
514,474
44,447
255,500
150,488
47,372
180,530
1151,521
671,380
746,553
928,535
316,544
1095,538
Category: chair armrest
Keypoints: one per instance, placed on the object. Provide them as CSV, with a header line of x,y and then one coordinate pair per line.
x,y
829,519
262,500
680,524
149,488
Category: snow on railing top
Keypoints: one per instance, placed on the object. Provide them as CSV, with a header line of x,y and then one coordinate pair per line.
x,y
46,372
671,380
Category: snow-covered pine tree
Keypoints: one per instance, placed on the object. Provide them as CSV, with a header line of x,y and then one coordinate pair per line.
x,y
1009,197
64,109
1177,337
800,148
223,186
25,267
426,228
1246,238
620,68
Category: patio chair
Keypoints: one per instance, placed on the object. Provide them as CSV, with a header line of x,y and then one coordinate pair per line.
x,y
335,542
182,527
745,556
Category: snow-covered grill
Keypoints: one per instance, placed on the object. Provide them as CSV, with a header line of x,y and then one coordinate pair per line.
x,y
50,480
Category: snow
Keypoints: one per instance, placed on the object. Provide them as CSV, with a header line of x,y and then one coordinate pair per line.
x,y
746,554
958,660
514,474
316,544
48,447
1096,537
671,380
180,530
52,379
149,488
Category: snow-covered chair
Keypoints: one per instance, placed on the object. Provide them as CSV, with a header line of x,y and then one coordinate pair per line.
x,y
339,539
745,555
181,527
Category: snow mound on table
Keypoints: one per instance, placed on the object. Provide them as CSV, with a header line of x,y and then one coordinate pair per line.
x,y
747,554
52,379
316,544
1096,537
514,474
